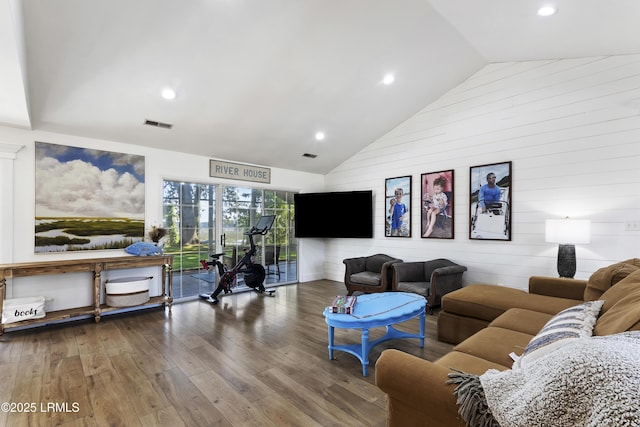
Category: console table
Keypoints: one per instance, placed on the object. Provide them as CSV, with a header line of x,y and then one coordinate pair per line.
x,y
92,265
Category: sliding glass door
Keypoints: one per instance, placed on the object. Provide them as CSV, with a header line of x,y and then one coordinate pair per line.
x,y
203,219
241,208
280,246
189,213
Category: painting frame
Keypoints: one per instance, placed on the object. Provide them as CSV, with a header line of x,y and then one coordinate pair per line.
x,y
490,201
437,205
397,218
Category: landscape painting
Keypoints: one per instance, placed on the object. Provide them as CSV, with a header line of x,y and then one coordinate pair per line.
x,y
87,199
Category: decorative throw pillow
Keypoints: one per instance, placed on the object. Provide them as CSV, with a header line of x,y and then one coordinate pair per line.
x,y
605,277
624,287
621,317
571,323
143,249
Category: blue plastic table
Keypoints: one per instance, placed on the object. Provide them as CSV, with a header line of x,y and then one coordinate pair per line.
x,y
375,310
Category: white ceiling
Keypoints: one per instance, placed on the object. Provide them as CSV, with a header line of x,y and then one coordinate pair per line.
x,y
257,78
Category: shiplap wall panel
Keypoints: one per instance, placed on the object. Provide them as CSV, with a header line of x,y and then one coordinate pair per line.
x,y
571,129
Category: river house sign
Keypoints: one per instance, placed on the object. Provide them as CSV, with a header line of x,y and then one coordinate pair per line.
x,y
219,169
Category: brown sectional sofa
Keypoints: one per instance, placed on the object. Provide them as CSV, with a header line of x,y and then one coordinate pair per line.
x,y
488,322
474,307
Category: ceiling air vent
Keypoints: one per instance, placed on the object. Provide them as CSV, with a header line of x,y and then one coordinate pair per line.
x,y
158,124
309,155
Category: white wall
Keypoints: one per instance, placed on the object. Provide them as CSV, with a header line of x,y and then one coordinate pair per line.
x,y
571,129
18,200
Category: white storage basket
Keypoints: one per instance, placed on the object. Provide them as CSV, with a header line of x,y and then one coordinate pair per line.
x,y
18,309
127,291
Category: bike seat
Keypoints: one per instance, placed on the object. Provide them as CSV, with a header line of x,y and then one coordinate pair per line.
x,y
216,256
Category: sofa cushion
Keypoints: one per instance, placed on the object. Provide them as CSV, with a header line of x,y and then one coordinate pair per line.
x,y
560,287
569,324
522,320
624,287
468,363
624,315
486,302
495,345
422,288
366,278
454,328
606,277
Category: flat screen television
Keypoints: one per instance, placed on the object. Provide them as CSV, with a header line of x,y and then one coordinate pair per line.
x,y
346,214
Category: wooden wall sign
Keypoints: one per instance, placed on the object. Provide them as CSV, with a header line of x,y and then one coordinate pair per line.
x,y
220,169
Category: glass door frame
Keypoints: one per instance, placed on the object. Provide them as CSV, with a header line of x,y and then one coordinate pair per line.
x,y
242,205
212,232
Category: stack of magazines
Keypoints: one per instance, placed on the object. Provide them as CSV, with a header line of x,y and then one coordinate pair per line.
x,y
343,304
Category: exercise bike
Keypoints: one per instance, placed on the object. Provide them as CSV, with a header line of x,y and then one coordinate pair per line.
x,y
254,273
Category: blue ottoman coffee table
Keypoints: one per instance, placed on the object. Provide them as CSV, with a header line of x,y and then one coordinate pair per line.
x,y
375,310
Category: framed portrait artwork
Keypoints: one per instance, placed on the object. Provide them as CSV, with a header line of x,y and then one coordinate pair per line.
x,y
437,205
398,207
490,201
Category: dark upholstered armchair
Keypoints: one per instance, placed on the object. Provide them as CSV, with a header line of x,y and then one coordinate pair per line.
x,y
368,274
432,279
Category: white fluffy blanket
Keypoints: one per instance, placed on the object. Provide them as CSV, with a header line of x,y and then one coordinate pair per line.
x,y
587,382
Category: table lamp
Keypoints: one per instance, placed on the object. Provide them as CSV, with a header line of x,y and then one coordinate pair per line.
x,y
567,232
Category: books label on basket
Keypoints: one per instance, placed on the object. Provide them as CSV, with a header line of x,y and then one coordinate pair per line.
x,y
343,304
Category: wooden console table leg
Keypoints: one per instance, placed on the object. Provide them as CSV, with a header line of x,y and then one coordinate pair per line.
x,y
2,295
96,291
168,270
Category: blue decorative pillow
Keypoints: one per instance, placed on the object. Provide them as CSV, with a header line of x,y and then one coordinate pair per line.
x,y
571,323
143,249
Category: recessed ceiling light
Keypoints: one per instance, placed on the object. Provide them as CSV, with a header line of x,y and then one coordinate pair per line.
x,y
168,93
547,11
388,79
319,136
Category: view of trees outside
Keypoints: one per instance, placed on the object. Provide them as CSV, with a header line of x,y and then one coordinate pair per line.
x,y
189,211
280,203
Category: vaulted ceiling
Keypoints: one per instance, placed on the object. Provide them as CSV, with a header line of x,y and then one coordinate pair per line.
x,y
255,80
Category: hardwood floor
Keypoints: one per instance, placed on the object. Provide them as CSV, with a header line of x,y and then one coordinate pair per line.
x,y
250,361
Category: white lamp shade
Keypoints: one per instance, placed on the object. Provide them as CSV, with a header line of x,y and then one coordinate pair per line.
x,y
567,231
